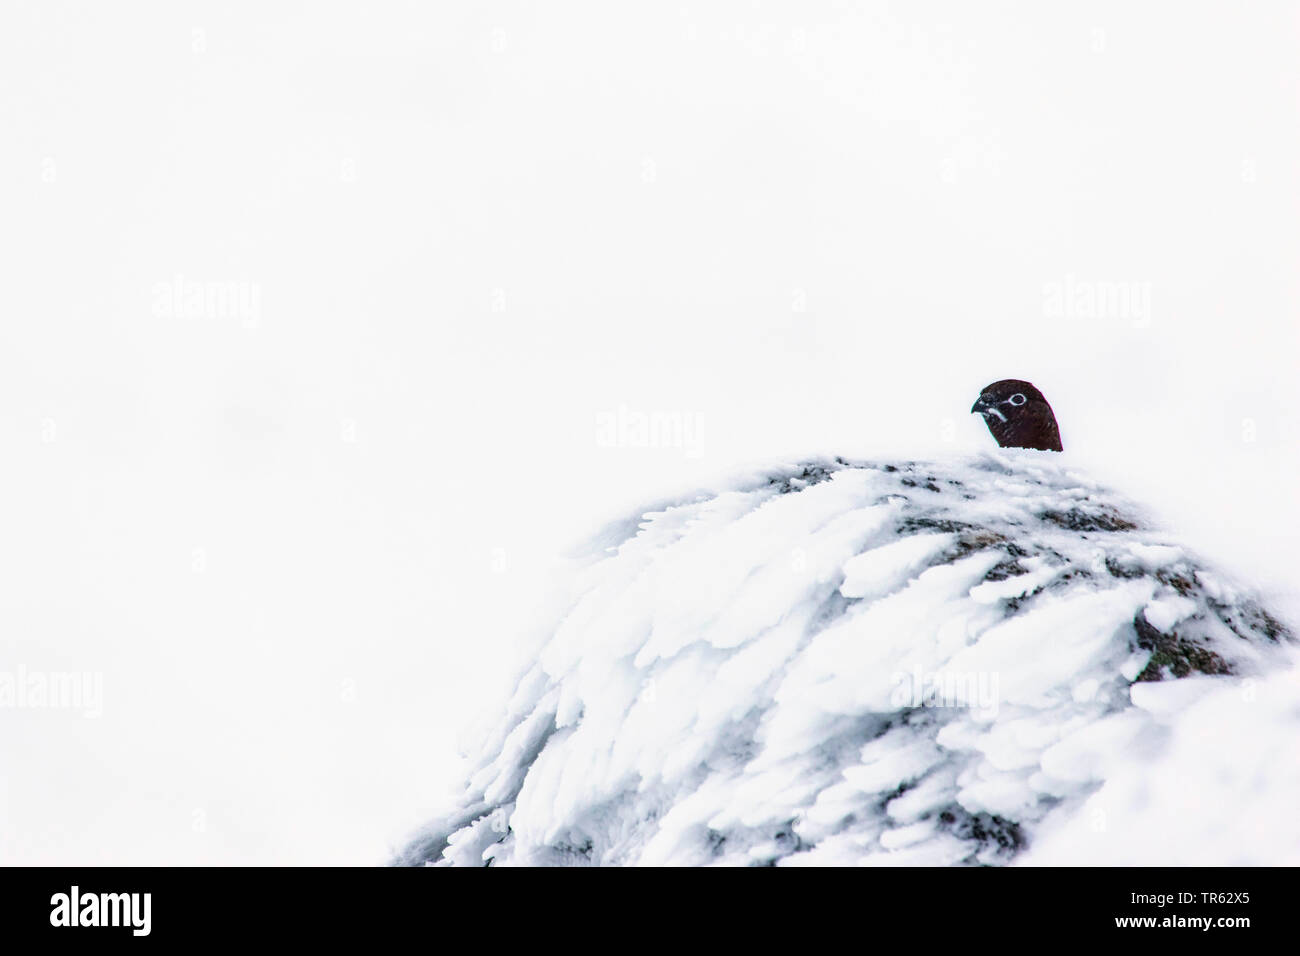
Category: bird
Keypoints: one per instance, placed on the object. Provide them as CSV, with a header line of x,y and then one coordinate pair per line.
x,y
1018,415
835,661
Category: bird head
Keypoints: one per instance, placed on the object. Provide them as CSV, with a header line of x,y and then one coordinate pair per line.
x,y
1018,415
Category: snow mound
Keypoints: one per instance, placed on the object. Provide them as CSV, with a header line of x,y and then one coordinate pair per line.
x,y
854,663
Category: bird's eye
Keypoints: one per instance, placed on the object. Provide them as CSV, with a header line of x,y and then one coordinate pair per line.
x,y
1017,399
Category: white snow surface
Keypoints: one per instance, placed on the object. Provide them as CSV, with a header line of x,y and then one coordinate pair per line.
x,y
979,661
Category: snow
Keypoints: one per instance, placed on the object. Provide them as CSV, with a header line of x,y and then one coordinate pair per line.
x,y
883,569
854,662
1167,612
1219,790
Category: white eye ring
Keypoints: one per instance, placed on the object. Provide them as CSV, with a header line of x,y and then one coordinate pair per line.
x,y
1013,399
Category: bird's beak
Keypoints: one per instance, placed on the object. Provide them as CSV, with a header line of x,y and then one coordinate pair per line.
x,y
986,410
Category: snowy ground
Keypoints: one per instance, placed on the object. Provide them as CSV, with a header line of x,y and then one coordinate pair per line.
x,y
436,269
884,663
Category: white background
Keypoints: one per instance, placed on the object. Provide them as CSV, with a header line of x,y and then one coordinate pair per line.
x,y
297,543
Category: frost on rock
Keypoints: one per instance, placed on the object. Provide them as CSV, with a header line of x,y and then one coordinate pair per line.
x,y
848,663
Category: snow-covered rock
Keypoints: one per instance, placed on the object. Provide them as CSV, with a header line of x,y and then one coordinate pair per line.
x,y
859,662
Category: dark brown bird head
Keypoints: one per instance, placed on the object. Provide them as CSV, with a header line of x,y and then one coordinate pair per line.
x,y
1018,415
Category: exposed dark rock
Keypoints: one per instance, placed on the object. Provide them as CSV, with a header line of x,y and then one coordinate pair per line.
x,y
985,829
1118,570
1078,520
1178,655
